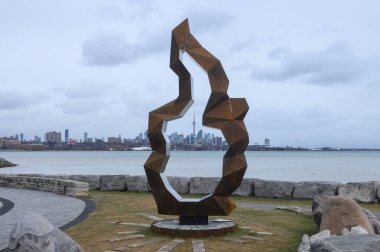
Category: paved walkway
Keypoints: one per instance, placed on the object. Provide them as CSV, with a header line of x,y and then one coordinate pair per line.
x,y
259,206
58,209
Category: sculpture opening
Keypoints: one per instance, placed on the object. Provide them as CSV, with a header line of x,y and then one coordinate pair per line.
x,y
221,112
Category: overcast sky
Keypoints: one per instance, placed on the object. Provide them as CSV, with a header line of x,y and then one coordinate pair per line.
x,y
308,69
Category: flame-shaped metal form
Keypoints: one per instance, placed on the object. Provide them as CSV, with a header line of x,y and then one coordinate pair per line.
x,y
221,112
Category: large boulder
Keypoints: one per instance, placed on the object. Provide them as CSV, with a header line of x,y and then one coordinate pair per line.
x,y
34,233
305,244
180,184
137,183
92,180
347,243
373,220
203,185
340,212
363,191
272,188
310,189
319,203
245,188
113,182
317,207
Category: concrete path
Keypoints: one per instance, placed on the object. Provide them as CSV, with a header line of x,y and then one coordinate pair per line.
x,y
58,209
267,206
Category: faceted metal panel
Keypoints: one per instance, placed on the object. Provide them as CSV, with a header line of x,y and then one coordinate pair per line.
x,y
221,112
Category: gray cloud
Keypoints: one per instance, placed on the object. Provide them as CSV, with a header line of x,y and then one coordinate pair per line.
x,y
87,90
11,100
209,20
81,106
297,119
242,45
336,64
112,48
87,97
106,48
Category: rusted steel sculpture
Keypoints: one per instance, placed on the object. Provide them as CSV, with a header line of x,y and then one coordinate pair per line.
x,y
221,112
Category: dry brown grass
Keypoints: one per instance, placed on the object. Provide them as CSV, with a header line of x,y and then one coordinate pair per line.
x,y
94,233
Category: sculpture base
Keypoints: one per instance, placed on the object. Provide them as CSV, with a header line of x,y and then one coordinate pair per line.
x,y
193,220
174,229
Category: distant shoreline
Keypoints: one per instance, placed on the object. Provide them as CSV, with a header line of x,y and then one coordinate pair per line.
x,y
270,150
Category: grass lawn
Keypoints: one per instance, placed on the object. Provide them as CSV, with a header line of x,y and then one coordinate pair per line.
x,y
94,233
287,227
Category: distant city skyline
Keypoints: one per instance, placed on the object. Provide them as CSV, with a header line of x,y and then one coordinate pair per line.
x,y
309,70
66,136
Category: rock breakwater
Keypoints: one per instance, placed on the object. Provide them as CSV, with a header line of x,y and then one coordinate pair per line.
x,y
5,163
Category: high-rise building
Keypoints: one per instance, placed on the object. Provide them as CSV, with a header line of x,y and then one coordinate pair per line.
x,y
194,124
217,141
66,135
85,137
200,135
22,137
267,142
53,137
16,136
114,140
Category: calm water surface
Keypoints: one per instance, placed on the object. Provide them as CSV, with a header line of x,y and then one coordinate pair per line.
x,y
294,166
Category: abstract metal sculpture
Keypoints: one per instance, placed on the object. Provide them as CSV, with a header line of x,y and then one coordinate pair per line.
x,y
221,112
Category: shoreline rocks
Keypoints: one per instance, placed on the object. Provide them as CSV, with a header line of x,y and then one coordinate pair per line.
x,y
273,188
55,185
350,242
363,192
359,191
5,163
310,189
344,226
341,212
319,205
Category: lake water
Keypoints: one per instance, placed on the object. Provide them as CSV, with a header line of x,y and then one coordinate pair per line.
x,y
278,165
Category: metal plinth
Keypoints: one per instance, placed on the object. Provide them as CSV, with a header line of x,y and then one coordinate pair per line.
x,y
174,229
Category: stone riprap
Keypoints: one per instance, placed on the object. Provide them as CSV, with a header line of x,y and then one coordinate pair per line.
x,y
92,180
273,188
310,189
180,184
203,185
245,188
5,163
373,220
363,191
347,243
113,183
206,185
137,183
58,186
